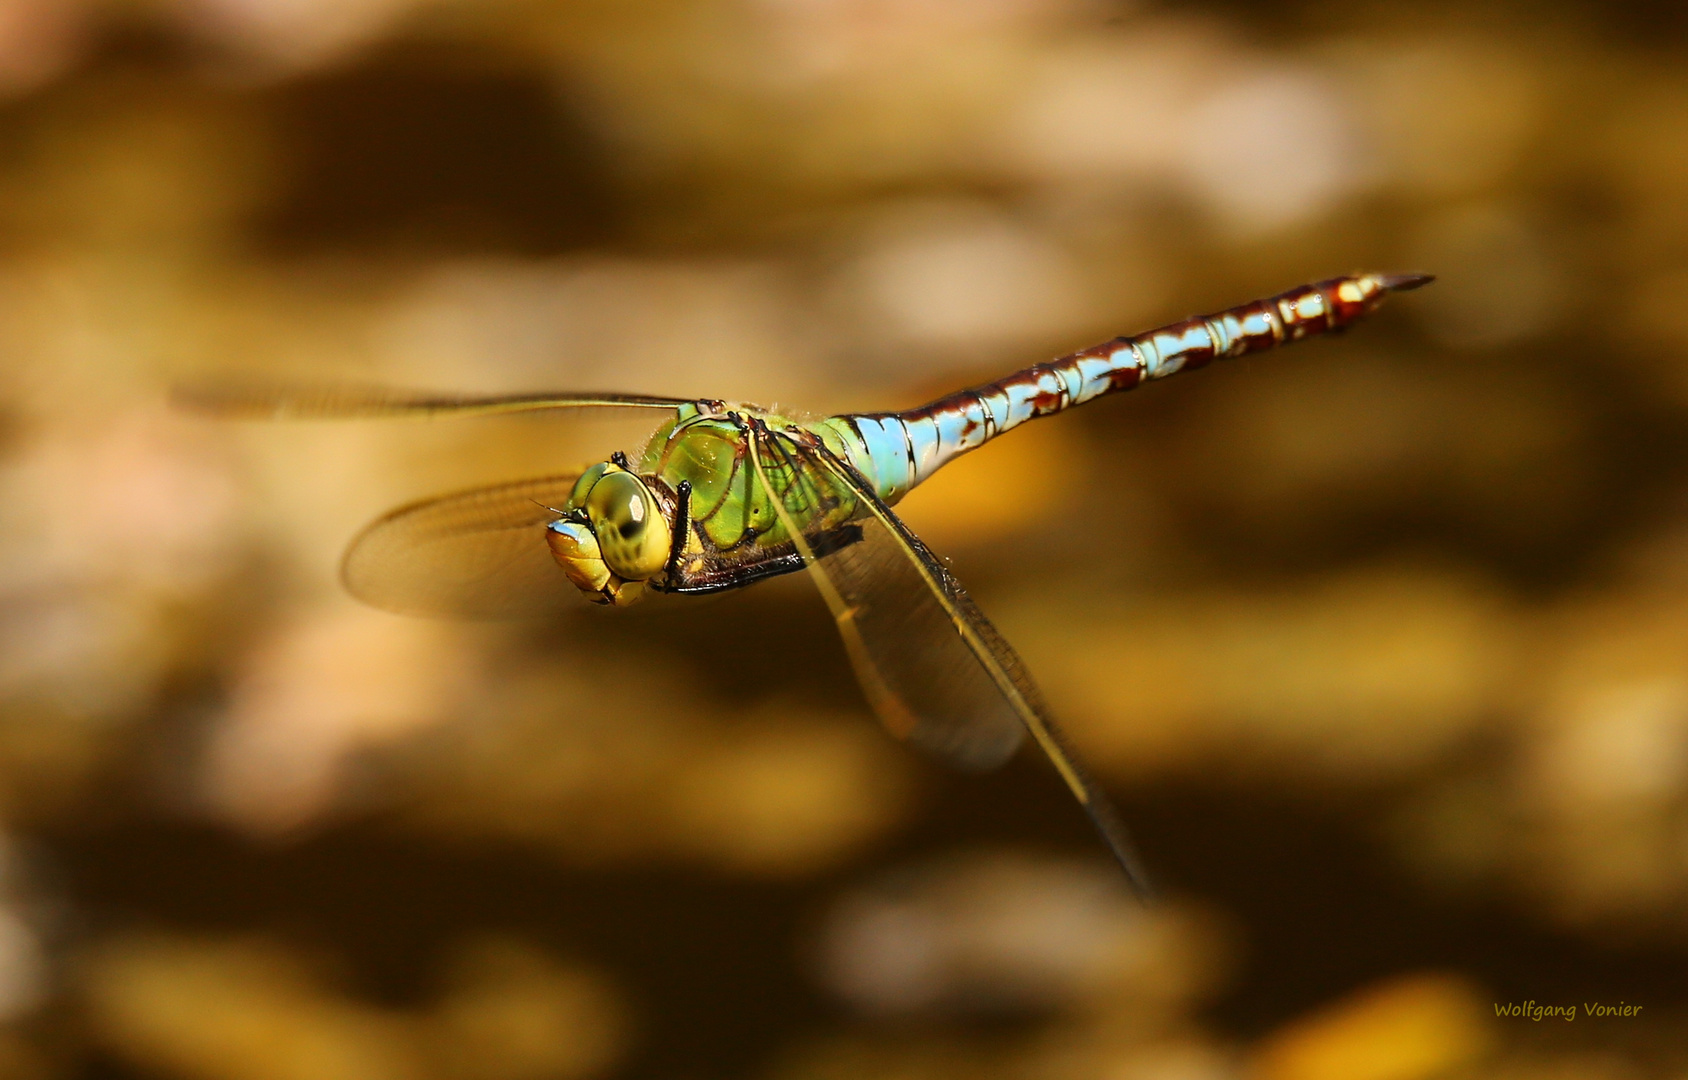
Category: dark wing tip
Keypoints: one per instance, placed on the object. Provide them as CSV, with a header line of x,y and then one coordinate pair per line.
x,y
1404,282
188,397
220,400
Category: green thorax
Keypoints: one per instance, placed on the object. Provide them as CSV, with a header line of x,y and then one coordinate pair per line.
x,y
729,506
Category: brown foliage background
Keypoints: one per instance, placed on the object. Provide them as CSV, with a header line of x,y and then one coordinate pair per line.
x,y
1382,644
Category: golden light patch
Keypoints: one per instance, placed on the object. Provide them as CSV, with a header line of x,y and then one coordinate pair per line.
x,y
1410,1028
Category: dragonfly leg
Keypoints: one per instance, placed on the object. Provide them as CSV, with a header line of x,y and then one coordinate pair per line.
x,y
682,527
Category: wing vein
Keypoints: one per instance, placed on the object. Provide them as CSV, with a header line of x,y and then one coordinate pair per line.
x,y
348,400
987,647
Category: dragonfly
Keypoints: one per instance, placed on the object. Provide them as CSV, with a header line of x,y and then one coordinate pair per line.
x,y
724,495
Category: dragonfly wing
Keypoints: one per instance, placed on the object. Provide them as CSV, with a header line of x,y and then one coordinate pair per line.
x,y
345,400
475,554
918,674
933,667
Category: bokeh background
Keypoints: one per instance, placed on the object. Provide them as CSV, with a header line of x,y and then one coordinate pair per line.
x,y
1381,643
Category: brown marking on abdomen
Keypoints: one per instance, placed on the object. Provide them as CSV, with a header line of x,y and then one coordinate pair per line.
x,y
1125,362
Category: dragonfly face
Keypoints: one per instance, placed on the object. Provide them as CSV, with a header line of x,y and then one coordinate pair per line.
x,y
614,536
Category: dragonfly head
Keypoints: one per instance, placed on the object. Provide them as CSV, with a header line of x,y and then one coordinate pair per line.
x,y
613,536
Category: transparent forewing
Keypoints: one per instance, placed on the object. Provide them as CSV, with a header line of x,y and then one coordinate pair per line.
x,y
348,400
917,672
475,554
933,666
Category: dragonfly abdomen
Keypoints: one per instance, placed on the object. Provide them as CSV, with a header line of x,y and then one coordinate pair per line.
x,y
899,450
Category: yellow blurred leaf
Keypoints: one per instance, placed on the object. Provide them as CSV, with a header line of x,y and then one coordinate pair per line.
x,y
1410,1028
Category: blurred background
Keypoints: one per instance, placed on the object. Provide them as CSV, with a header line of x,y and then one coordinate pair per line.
x,y
1382,643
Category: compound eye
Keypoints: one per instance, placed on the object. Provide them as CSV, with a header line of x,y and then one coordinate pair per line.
x,y
631,531
588,480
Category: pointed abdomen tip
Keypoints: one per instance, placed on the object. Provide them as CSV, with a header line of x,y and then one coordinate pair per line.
x,y
1404,282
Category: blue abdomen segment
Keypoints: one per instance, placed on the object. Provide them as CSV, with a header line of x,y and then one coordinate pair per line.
x,y
878,447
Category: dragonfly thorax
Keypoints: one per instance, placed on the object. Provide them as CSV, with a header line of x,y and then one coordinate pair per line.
x,y
614,535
